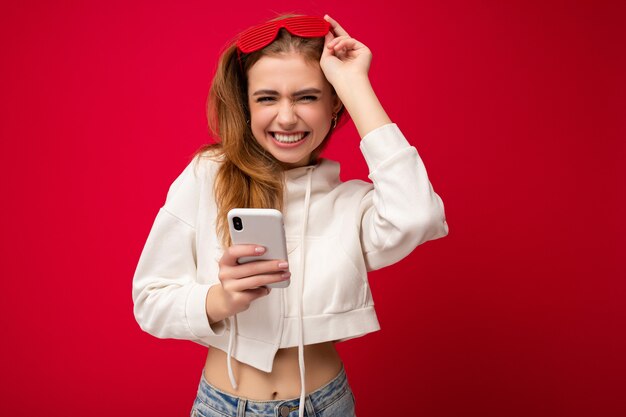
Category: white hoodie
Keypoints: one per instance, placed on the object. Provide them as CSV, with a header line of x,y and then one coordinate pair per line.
x,y
336,232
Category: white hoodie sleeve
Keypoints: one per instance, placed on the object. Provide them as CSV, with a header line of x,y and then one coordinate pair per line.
x,y
169,302
402,211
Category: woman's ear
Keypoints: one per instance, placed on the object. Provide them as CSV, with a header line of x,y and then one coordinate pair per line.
x,y
337,104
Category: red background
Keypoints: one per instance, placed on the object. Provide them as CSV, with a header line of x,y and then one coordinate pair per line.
x,y
517,108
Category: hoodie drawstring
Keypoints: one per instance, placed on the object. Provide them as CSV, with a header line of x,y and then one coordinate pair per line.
x,y
231,341
307,198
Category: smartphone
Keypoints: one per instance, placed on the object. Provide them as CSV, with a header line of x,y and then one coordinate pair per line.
x,y
262,227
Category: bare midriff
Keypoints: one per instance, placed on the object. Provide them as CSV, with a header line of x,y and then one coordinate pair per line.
x,y
322,363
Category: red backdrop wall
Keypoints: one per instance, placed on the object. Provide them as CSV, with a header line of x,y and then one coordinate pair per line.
x,y
517,108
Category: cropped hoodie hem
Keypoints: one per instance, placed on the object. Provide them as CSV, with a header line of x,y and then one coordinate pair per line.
x,y
337,327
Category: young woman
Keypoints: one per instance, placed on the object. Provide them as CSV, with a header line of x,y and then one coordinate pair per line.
x,y
280,91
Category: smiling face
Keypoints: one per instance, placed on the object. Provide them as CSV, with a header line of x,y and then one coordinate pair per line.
x,y
291,105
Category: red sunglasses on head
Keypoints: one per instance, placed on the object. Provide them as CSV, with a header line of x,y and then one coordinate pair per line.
x,y
260,36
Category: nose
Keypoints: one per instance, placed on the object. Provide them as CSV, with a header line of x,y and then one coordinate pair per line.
x,y
287,115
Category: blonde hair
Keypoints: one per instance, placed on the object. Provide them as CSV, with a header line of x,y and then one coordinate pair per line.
x,y
248,175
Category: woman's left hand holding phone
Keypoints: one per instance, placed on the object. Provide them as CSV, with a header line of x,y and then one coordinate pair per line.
x,y
241,284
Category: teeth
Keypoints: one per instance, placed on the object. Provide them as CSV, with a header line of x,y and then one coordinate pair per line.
x,y
288,138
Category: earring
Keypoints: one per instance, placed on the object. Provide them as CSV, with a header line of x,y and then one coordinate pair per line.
x,y
334,120
248,122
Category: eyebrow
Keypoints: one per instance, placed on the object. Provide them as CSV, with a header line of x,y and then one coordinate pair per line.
x,y
297,93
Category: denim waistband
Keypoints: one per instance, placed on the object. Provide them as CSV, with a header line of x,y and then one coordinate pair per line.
x,y
229,404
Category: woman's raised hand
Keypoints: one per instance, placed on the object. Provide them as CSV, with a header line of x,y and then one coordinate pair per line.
x,y
241,284
343,55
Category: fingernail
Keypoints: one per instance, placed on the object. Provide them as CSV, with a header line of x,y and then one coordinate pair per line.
x,y
286,275
259,249
283,265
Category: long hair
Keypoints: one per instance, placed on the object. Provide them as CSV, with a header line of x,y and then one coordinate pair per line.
x,y
248,175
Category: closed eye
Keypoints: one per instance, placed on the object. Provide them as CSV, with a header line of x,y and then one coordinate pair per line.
x,y
268,99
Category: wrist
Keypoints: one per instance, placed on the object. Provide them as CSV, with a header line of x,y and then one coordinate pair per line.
x,y
214,304
350,83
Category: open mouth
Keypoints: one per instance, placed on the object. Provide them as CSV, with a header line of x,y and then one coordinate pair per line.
x,y
289,139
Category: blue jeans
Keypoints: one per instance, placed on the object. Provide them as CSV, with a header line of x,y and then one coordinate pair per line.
x,y
335,399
